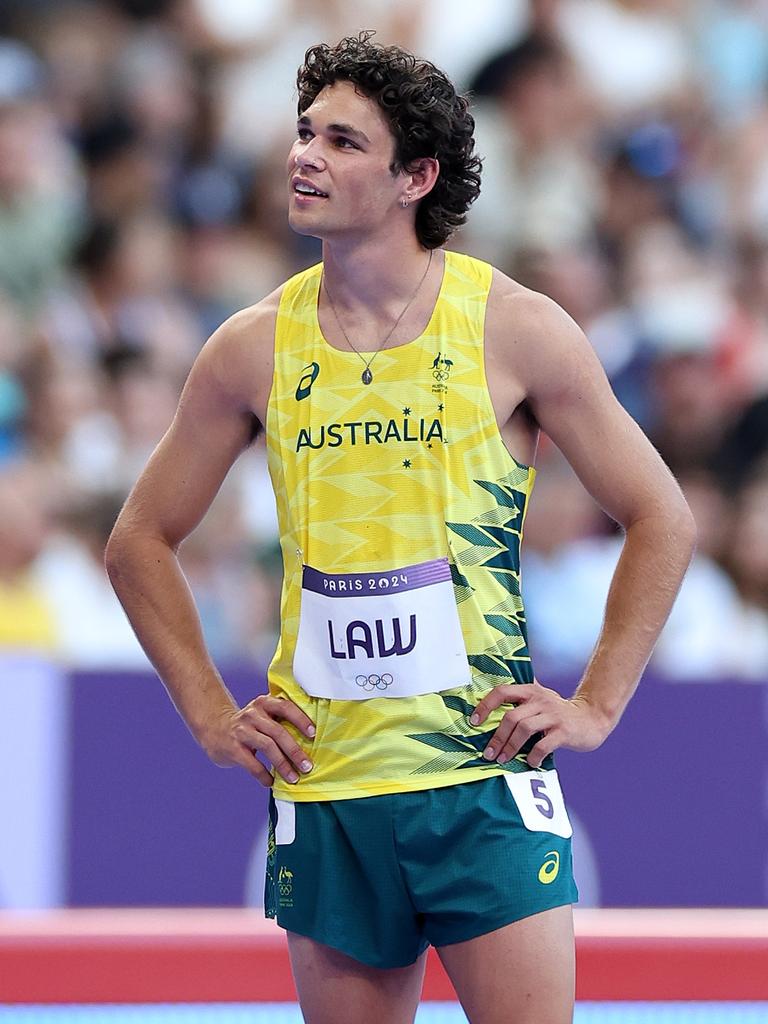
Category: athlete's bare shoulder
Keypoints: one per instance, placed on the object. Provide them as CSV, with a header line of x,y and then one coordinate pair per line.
x,y
530,335
239,355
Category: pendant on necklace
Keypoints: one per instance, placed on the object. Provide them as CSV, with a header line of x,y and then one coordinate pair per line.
x,y
367,376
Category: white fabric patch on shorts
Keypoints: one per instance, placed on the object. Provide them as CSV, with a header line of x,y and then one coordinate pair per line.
x,y
285,830
539,799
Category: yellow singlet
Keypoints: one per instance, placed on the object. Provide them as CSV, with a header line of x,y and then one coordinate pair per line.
x,y
402,482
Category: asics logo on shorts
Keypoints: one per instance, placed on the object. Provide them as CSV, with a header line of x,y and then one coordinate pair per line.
x,y
308,377
550,869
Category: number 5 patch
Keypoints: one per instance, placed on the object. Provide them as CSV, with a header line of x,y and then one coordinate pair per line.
x,y
540,801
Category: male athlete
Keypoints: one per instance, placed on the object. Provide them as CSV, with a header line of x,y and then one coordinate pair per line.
x,y
402,388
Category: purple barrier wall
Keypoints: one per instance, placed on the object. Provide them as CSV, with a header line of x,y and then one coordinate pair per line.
x,y
152,820
675,800
673,805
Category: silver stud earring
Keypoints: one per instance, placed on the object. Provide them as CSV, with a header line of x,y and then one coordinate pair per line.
x,y
404,202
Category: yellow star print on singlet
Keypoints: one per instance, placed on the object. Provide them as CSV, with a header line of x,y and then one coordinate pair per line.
x,y
409,471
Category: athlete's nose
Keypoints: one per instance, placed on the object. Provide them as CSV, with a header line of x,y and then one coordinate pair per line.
x,y
310,156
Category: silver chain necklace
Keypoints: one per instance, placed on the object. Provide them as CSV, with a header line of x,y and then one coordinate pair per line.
x,y
366,375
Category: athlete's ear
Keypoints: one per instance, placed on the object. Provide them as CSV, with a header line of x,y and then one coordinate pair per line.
x,y
420,177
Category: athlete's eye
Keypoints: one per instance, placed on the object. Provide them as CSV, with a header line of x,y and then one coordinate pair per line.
x,y
344,143
304,134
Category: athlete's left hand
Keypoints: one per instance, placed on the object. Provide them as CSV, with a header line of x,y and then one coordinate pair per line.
x,y
573,723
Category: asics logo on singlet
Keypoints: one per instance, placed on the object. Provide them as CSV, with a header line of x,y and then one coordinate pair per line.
x,y
308,378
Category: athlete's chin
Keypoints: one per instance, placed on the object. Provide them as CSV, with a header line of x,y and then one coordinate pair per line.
x,y
314,226
302,224
300,228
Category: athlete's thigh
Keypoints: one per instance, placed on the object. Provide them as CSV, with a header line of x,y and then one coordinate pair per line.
x,y
335,989
519,974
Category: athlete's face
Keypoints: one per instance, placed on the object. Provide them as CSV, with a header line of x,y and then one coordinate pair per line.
x,y
344,149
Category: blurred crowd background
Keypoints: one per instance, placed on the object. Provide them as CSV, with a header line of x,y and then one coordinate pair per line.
x,y
142,201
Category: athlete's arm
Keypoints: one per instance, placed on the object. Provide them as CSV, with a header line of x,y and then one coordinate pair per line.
x,y
551,362
224,397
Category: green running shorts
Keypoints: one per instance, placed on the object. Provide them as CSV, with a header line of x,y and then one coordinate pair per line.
x,y
380,878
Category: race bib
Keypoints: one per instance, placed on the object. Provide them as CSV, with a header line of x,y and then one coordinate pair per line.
x,y
540,801
379,634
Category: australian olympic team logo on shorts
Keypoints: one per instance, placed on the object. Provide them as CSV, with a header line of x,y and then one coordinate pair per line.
x,y
392,633
285,887
308,377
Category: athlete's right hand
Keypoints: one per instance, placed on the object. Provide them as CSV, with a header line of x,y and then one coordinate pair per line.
x,y
236,737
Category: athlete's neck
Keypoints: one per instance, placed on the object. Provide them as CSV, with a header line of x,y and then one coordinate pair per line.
x,y
374,276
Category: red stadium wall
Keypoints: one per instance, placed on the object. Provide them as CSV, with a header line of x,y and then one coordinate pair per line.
x,y
173,956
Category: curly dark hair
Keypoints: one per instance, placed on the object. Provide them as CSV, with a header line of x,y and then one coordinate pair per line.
x,y
426,115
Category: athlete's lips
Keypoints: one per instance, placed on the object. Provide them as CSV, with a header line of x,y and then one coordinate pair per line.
x,y
305,183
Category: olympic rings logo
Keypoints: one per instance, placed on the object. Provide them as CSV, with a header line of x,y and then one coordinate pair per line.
x,y
441,374
374,682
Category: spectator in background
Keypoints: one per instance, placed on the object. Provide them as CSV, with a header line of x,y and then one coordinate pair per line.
x,y
125,294
568,561
91,630
745,445
540,189
142,399
583,283
39,186
63,418
78,42
124,176
747,552
716,632
27,617
635,54
13,397
730,46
